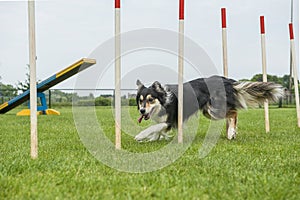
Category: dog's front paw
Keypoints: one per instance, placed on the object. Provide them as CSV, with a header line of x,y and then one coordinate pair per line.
x,y
139,138
231,133
142,137
152,133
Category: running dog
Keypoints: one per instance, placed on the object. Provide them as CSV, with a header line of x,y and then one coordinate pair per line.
x,y
217,97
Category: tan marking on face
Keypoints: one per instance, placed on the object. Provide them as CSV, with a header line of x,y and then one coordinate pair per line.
x,y
150,102
148,105
141,100
150,99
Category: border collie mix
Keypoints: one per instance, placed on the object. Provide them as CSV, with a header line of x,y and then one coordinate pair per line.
x,y
217,97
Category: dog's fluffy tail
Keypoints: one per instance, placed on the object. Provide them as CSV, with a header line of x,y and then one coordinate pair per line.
x,y
253,93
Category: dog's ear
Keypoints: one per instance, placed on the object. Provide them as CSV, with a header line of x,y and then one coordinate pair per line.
x,y
139,84
160,91
157,87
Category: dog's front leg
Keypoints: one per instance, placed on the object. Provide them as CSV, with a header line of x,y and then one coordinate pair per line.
x,y
152,133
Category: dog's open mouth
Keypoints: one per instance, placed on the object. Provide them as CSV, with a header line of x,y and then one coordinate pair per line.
x,y
146,117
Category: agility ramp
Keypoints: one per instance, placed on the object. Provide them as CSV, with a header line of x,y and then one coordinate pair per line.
x,y
66,73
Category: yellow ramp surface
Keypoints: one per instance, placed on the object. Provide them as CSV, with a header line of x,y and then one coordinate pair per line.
x,y
26,112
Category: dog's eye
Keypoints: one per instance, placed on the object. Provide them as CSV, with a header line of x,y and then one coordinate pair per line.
x,y
151,100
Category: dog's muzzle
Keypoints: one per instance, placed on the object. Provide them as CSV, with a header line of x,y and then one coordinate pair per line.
x,y
143,115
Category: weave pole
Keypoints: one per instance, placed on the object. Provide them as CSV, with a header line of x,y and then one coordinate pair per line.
x,y
293,51
264,69
224,42
180,70
117,75
33,90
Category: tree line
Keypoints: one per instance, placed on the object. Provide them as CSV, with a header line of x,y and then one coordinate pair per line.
x,y
58,97
285,80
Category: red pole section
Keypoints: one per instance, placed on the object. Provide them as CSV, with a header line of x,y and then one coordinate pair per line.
x,y
224,42
117,4
295,72
291,31
181,9
223,11
262,25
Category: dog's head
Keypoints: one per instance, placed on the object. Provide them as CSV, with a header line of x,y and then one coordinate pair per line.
x,y
149,100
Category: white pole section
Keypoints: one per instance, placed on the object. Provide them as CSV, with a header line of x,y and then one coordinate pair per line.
x,y
117,75
180,70
33,91
264,69
292,43
224,42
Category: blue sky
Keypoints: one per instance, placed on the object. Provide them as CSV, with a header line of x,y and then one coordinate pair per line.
x,y
69,30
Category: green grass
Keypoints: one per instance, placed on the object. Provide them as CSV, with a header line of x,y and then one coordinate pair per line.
x,y
254,166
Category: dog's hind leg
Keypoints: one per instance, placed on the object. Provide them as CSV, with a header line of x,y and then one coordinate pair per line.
x,y
231,124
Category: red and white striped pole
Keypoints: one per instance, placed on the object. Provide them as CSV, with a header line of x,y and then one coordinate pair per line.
x,y
117,75
180,70
264,69
224,42
293,51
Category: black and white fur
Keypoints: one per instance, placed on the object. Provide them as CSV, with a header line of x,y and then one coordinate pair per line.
x,y
218,98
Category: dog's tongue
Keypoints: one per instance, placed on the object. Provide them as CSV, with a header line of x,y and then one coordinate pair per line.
x,y
140,118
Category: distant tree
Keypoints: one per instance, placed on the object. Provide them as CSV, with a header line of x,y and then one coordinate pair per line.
x,y
103,101
107,95
60,96
8,90
91,96
25,85
271,78
257,77
286,81
244,80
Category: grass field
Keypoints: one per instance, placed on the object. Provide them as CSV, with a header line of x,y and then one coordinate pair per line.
x,y
254,166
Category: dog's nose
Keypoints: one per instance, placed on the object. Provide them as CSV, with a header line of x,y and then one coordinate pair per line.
x,y
142,110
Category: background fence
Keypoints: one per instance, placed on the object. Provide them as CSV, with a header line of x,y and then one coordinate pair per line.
x,y
101,97
83,97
